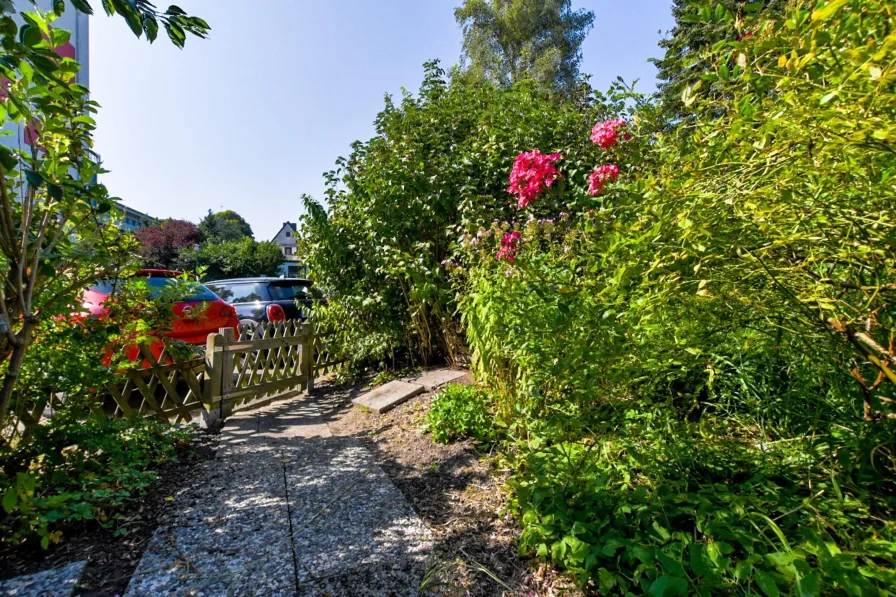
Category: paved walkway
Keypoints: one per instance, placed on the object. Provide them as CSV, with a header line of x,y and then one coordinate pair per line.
x,y
287,509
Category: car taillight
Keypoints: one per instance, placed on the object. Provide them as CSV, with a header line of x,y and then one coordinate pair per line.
x,y
276,313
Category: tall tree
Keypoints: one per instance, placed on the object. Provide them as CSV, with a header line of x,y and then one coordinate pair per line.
x,y
224,226
161,244
509,40
700,25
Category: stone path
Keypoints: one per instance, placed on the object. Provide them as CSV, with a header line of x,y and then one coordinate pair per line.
x,y
59,582
287,509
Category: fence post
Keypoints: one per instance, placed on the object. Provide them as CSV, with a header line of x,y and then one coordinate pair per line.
x,y
214,374
228,337
307,356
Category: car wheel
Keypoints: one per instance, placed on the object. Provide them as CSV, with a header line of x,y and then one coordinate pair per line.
x,y
247,327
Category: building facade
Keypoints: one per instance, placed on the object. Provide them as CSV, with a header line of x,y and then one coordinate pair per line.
x,y
130,219
286,240
78,47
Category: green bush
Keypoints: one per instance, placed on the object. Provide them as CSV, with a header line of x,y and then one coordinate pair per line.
x,y
461,412
651,504
386,242
70,470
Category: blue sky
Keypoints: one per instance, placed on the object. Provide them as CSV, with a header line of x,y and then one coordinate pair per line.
x,y
250,118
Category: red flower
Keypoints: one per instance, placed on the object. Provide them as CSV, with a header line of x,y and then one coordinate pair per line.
x,y
606,133
532,173
510,246
601,176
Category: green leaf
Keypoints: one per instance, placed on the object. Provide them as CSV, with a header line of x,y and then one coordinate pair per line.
x,y
30,36
34,178
660,531
82,6
151,26
606,580
668,586
8,159
688,95
10,500
827,98
55,191
132,17
700,563
766,582
176,34
59,37
823,14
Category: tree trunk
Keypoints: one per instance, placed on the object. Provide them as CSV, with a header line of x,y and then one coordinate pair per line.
x,y
15,365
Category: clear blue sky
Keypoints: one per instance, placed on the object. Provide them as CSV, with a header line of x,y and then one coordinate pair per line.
x,y
250,118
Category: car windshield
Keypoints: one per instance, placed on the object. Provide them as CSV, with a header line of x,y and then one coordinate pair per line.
x,y
245,292
155,285
200,293
284,291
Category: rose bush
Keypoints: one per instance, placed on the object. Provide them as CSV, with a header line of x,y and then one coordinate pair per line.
x,y
698,370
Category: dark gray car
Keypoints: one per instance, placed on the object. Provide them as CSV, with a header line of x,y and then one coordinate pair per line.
x,y
266,299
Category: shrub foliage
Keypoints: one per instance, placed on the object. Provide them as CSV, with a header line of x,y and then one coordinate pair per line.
x,y
687,325
461,412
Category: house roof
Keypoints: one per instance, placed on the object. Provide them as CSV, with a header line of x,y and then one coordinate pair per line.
x,y
291,226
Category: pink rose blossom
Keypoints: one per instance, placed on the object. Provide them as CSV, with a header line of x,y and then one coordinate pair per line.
x,y
605,134
601,176
510,245
533,172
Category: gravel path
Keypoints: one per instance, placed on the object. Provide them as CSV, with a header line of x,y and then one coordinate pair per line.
x,y
287,509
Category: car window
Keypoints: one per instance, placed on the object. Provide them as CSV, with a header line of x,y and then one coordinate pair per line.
x,y
155,285
284,291
241,293
105,287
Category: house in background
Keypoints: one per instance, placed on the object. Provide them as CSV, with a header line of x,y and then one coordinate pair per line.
x,y
286,240
132,220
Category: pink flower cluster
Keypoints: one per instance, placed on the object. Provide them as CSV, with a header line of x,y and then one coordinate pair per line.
x,y
605,134
601,176
533,172
510,246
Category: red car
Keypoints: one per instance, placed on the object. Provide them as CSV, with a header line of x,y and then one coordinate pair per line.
x,y
187,328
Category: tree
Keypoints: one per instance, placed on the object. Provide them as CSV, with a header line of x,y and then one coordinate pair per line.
x,y
54,237
699,29
224,226
243,258
161,244
509,40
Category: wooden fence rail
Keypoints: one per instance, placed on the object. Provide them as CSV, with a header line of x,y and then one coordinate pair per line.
x,y
270,360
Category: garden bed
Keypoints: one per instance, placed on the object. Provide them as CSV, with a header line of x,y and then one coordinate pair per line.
x,y
112,558
458,491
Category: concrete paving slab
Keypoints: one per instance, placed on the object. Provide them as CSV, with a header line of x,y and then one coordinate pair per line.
x,y
436,378
388,396
231,535
346,514
59,582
